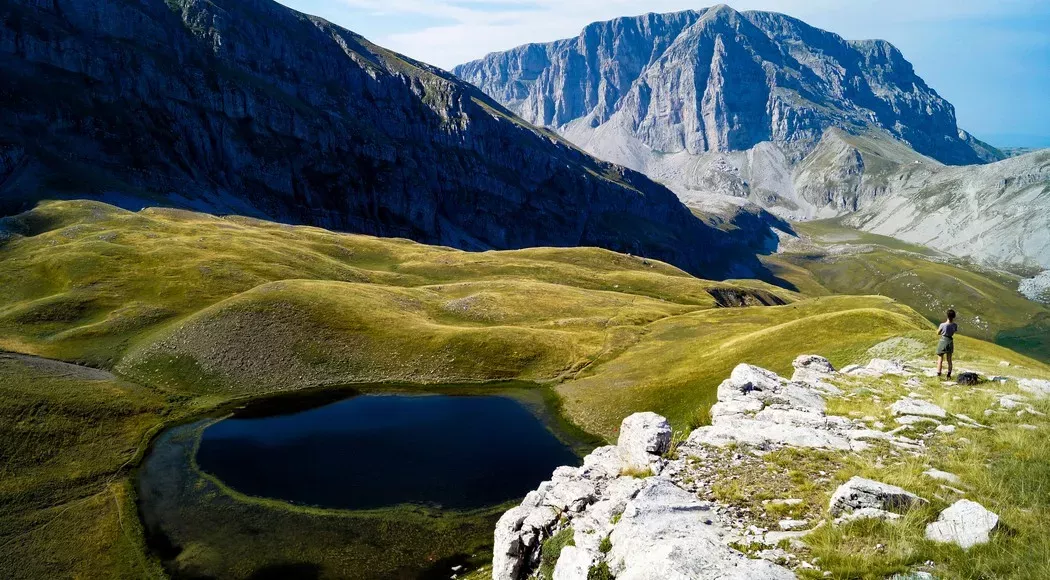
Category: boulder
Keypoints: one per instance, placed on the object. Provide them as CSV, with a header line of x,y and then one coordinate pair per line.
x,y
792,525
879,367
643,438
917,407
814,363
859,493
814,371
966,523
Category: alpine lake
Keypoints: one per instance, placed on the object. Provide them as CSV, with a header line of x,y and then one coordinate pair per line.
x,y
377,481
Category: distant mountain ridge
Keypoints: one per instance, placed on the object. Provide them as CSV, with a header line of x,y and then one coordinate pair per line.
x,y
717,80
733,109
249,107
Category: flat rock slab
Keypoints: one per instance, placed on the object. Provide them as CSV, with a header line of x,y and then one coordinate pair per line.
x,y
919,408
966,523
1037,387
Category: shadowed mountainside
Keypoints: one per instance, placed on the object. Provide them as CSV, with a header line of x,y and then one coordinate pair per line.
x,y
252,108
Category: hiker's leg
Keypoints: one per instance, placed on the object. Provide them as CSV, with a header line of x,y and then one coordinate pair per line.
x,y
940,364
949,355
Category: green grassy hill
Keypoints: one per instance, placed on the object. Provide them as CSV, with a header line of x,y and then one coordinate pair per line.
x,y
183,312
837,260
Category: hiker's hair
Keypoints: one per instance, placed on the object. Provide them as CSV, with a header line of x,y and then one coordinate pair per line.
x,y
951,315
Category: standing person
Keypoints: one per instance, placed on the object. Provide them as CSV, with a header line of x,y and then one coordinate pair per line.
x,y
946,347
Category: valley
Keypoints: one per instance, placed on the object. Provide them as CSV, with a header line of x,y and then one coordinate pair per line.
x,y
195,313
657,301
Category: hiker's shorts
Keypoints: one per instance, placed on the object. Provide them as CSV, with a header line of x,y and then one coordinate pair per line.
x,y
946,346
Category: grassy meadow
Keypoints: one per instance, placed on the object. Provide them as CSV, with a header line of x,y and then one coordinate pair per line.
x,y
169,314
839,260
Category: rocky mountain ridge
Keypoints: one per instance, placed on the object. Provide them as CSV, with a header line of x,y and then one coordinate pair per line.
x,y
735,109
717,80
252,108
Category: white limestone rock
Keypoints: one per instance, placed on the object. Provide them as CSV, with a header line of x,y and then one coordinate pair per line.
x,y
881,367
909,406
942,476
815,372
916,419
663,535
1039,388
966,523
509,551
813,363
573,564
792,525
860,493
758,408
643,438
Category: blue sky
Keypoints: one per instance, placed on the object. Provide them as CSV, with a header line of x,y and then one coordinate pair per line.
x,y
990,58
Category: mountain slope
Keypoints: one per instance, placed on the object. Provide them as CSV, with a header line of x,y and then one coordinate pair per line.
x,y
249,107
732,109
997,213
721,80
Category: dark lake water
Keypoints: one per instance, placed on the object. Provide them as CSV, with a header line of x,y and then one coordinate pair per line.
x,y
373,451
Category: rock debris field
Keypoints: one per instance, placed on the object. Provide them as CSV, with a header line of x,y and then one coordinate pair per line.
x,y
737,499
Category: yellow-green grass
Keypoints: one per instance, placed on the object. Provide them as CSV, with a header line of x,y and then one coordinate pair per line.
x,y
67,439
199,310
674,367
87,280
989,304
1006,468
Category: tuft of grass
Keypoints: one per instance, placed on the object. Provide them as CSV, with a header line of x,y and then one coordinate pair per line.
x,y
550,551
636,472
599,571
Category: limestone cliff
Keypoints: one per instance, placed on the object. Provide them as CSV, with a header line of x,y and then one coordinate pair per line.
x,y
720,80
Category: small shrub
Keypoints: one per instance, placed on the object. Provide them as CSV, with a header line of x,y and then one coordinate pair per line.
x,y
605,545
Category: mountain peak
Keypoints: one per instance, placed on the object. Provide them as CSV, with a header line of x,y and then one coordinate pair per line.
x,y
687,85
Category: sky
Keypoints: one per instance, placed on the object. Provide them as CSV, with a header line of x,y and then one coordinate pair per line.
x,y
989,58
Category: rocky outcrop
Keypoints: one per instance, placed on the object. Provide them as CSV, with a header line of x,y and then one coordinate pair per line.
x,y
707,501
647,528
252,108
643,436
757,407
